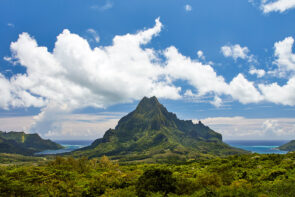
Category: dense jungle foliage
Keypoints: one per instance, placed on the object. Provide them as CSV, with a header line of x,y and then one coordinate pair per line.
x,y
243,175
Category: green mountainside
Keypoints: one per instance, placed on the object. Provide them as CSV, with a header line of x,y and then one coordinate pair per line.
x,y
290,146
25,144
151,133
10,146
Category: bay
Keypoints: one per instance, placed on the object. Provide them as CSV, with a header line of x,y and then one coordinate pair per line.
x,y
69,146
259,146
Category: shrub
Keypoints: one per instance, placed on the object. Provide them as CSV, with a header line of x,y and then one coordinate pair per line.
x,y
155,180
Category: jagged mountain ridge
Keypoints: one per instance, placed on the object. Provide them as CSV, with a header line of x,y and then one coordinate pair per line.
x,y
151,131
26,144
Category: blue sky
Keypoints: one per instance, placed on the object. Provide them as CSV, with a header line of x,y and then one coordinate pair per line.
x,y
228,63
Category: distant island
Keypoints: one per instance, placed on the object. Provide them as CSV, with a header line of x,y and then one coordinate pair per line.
x,y
151,134
290,146
25,144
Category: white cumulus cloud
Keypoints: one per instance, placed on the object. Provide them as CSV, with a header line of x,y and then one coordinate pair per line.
x,y
217,101
279,94
259,72
277,5
244,91
75,76
236,51
285,58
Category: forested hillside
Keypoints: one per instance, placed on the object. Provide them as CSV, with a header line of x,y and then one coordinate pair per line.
x,y
290,146
25,144
244,175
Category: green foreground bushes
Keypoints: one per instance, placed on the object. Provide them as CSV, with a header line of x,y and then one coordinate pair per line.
x,y
245,175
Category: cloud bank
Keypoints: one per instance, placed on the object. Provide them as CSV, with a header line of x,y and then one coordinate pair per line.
x,y
75,76
73,126
252,128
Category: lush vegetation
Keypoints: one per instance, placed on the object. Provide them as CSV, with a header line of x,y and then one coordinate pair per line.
x,y
152,134
290,146
25,144
15,159
244,175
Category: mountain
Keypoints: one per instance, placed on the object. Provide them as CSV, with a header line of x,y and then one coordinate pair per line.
x,y
10,146
26,144
290,146
151,133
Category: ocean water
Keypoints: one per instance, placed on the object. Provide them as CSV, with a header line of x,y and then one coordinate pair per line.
x,y
259,146
70,145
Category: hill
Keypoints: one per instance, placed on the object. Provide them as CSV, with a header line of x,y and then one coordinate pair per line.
x,y
25,144
150,133
290,146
